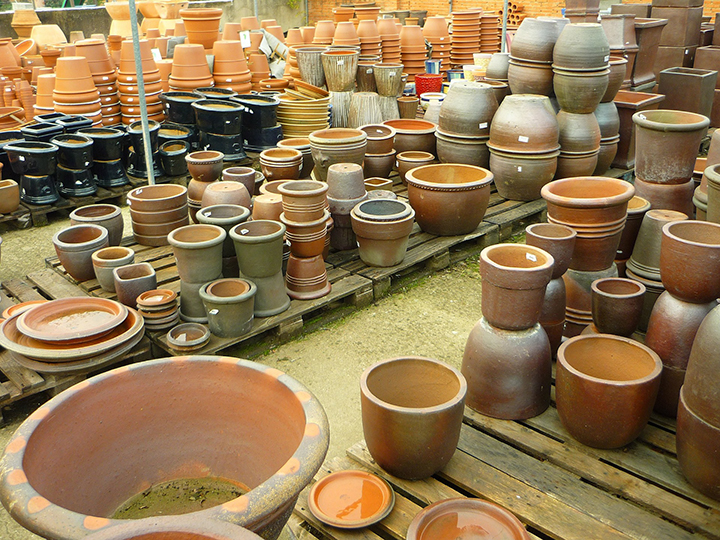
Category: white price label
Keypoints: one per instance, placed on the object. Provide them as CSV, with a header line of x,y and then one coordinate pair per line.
x,y
156,54
519,168
531,257
523,139
483,125
245,39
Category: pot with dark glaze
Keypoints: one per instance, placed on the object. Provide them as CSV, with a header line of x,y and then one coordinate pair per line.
x,y
617,305
605,388
76,244
702,381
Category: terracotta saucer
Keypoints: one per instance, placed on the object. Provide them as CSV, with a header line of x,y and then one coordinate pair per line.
x,y
311,90
71,319
188,336
22,307
351,499
156,300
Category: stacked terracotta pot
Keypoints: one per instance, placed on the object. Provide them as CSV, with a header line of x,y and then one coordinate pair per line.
x,y
389,85
596,208
436,33
230,69
75,92
44,103
489,33
105,77
190,69
465,36
389,40
608,118
259,68
157,210
127,84
336,145
346,35
324,32
202,25
414,52
306,219
345,190
530,64
205,167
340,68
370,40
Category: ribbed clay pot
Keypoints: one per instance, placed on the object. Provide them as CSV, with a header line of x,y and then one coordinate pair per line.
x,y
74,247
572,165
303,200
520,177
535,40
666,144
310,65
198,252
229,304
107,216
250,409
645,258
514,277
605,388
468,109
525,124
508,372
336,145
340,68
412,430
617,304
433,189
416,135
579,92
582,46
578,132
105,260
382,228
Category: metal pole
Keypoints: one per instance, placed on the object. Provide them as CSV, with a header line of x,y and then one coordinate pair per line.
x,y
141,95
503,38
255,7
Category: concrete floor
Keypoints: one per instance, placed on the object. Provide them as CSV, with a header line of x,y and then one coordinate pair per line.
x,y
432,318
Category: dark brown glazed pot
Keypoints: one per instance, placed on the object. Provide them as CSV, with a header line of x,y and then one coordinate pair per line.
x,y
514,277
637,207
677,197
508,372
579,91
702,381
690,260
51,464
412,429
667,143
578,294
76,244
187,527
698,449
557,240
520,177
671,381
435,189
617,304
524,124
605,388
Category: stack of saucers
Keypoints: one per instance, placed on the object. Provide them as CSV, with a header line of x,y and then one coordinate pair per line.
x,y
159,308
465,36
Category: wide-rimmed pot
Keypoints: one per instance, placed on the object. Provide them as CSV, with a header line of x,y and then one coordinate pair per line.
x,y
157,198
340,68
218,116
468,109
605,388
205,165
105,260
225,398
198,252
382,228
225,216
412,430
261,111
520,177
303,145
303,200
617,304
230,304
107,216
513,285
525,123
178,106
433,189
557,240
380,138
416,135
76,244
32,158
132,280
336,145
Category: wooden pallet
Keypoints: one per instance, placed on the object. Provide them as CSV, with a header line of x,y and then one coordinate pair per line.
x,y
559,488
18,382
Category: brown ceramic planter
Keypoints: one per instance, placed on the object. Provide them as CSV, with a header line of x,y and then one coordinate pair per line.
x,y
412,431
132,280
508,372
157,528
281,163
225,192
605,388
105,259
380,138
573,165
432,189
702,381
205,165
581,46
557,240
671,381
336,145
307,238
198,252
524,124
530,78
535,39
675,197
107,216
379,165
580,92
230,304
628,103
645,258
647,34
9,196
514,275
406,161
468,109
383,229
304,200
284,444
157,198
306,277
418,135
578,132
637,207
74,247
617,305
552,316
521,177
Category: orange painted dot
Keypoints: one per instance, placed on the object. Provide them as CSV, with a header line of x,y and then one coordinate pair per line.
x,y
291,466
80,385
41,413
303,396
312,430
36,504
15,445
275,373
237,505
122,370
16,477
93,523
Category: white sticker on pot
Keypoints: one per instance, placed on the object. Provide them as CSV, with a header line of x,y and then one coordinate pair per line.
x,y
519,168
213,312
607,58
369,70
245,39
483,125
531,257
391,74
156,54
523,139
341,62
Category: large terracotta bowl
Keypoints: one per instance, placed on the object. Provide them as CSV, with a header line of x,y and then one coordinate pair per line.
x,y
449,199
73,462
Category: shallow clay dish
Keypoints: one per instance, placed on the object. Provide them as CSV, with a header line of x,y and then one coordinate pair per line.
x,y
156,300
351,499
188,336
71,319
22,307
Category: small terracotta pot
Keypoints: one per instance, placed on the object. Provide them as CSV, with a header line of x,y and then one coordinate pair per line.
x,y
9,196
107,216
229,304
345,181
306,277
244,175
617,304
379,165
412,432
307,238
418,135
225,192
132,280
406,161
206,165
303,200
383,228
557,240
281,163
106,259
74,247
380,138
605,388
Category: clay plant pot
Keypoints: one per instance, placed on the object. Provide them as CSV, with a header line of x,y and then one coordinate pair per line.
x,y
379,165
202,25
520,177
132,280
9,196
412,431
579,92
303,200
388,78
303,145
306,277
74,247
557,240
667,144
284,444
701,381
198,252
582,46
637,208
524,124
676,197
432,189
157,198
408,106
229,304
645,258
225,216
105,260
224,192
107,216
345,181
514,275
617,304
307,238
530,78
406,161
244,175
156,528
466,150
468,109
418,135
205,165
340,68
572,165
534,40
605,388
578,132
616,78
508,372
382,228
310,65
690,260
281,163
336,145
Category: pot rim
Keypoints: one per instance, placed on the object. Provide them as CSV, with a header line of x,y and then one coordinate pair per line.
x,y
480,183
80,246
209,157
295,188
547,265
423,127
667,232
459,397
98,261
594,202
218,239
595,286
114,212
242,216
306,224
229,106
182,142
145,265
533,229
209,297
237,237
693,121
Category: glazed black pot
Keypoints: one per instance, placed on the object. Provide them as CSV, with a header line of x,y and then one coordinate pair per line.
x,y
138,168
175,132
6,137
109,173
43,131
74,151
107,142
72,123
75,182
218,116
172,157
178,106
230,145
32,157
38,189
257,140
211,92
50,117
260,111
135,133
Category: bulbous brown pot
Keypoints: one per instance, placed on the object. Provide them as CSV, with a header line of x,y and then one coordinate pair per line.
x,y
525,123
579,92
557,240
576,165
107,216
187,527
468,109
205,165
76,244
617,304
383,228
508,372
581,46
690,260
702,381
605,388
413,134
578,132
529,78
520,177
535,40
449,199
240,407
467,150
514,277
412,428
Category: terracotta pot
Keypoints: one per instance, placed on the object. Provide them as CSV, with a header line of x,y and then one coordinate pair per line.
x,y
647,34
407,161
307,238
198,252
606,154
345,181
281,163
667,145
514,275
202,25
557,240
229,304
296,430
306,278
508,372
582,46
579,92
432,189
205,166
157,198
675,197
340,68
412,432
303,200
468,109
690,260
416,135
408,106
76,244
605,388
132,280
156,528
9,196
382,227
645,258
336,145
524,124
107,216
225,192
608,119
379,165
616,78
527,78
106,259
535,39
578,132
303,145
617,305
637,208
465,150
701,381
225,216
552,316
380,138
572,165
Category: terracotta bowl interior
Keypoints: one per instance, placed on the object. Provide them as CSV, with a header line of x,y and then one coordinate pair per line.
x,y
259,228
302,185
223,211
134,271
618,287
174,147
152,193
228,287
425,384
196,233
513,256
380,207
202,416
696,232
449,174
204,155
79,235
587,188
337,133
239,170
550,230
377,132
112,253
283,153
636,202
95,211
609,359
